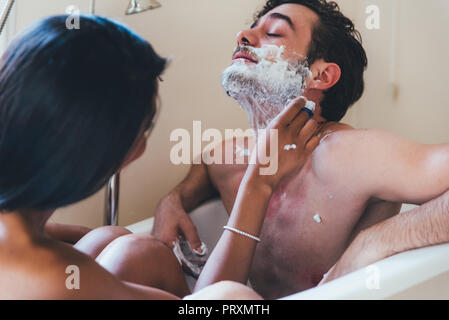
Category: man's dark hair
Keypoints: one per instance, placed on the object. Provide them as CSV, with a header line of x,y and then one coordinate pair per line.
x,y
334,39
73,104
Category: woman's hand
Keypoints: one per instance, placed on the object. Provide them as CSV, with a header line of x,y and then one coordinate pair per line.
x,y
291,136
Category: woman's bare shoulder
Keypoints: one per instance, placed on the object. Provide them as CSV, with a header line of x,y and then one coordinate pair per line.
x,y
52,270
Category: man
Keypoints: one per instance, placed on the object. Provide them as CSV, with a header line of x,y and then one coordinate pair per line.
x,y
352,181
425,226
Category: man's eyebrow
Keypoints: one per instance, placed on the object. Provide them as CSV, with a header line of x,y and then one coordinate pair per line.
x,y
276,15
255,24
281,16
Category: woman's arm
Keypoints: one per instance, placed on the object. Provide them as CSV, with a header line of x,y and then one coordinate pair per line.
x,y
232,257
65,233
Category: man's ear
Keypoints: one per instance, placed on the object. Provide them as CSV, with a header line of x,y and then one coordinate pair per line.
x,y
324,75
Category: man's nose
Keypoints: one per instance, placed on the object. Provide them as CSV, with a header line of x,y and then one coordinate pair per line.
x,y
247,37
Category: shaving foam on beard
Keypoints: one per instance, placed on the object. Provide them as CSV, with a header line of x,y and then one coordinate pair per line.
x,y
264,89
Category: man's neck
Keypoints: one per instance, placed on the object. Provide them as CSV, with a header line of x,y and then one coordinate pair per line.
x,y
258,119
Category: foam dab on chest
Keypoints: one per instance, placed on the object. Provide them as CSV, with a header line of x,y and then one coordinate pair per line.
x,y
242,151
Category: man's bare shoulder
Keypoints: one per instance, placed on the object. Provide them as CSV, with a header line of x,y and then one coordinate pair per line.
x,y
340,142
345,135
341,146
350,152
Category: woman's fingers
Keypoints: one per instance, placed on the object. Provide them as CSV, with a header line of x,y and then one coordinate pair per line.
x,y
307,131
312,144
286,117
306,113
299,122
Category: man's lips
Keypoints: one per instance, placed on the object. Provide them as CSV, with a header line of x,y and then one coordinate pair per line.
x,y
245,56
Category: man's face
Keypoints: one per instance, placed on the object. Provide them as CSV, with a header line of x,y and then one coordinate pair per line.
x,y
269,67
288,25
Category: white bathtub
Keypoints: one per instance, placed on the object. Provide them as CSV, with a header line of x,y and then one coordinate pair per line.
x,y
417,274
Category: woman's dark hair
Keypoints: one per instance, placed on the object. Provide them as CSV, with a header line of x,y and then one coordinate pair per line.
x,y
73,103
334,39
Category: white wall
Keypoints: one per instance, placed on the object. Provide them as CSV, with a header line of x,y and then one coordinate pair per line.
x,y
200,34
421,110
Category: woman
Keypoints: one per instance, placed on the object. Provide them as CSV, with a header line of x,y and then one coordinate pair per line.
x,y
76,107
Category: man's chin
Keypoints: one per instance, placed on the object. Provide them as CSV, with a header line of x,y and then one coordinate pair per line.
x,y
236,79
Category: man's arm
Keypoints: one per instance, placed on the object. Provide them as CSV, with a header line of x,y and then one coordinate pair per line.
x,y
171,217
425,226
386,166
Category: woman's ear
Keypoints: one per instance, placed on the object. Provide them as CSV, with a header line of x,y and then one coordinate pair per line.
x,y
324,75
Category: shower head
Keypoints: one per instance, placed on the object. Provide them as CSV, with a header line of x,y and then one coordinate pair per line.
x,y
138,6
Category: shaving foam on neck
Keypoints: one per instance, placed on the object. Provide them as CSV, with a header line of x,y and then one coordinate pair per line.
x,y
264,89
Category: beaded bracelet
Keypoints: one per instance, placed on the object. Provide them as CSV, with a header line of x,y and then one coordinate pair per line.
x,y
241,233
